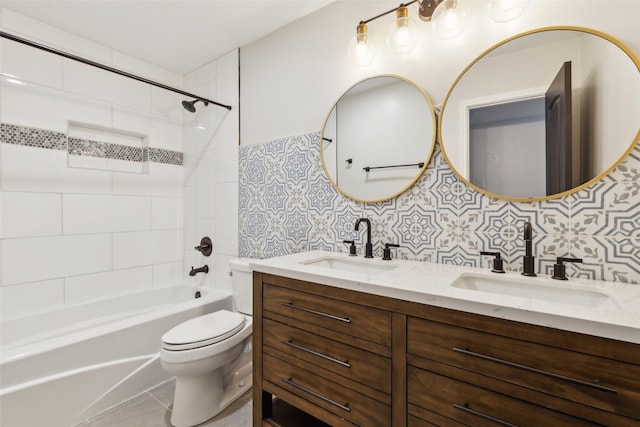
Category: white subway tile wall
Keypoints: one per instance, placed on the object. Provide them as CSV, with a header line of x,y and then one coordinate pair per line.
x,y
69,234
210,192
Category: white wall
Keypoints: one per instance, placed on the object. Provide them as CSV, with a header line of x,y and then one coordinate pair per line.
x,y
291,78
71,234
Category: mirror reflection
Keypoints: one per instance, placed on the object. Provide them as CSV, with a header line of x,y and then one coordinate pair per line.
x,y
378,138
542,113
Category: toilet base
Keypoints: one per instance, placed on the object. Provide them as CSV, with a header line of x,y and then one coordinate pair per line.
x,y
199,398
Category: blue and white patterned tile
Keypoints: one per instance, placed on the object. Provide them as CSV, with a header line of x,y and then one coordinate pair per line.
x,y
629,169
438,219
276,148
296,227
417,229
343,222
297,164
256,224
609,209
320,195
321,244
382,229
296,195
275,196
615,258
256,170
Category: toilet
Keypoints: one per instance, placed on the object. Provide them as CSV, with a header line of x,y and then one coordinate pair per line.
x,y
210,355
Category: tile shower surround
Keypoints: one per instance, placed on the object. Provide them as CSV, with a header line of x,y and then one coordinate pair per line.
x,y
287,205
41,138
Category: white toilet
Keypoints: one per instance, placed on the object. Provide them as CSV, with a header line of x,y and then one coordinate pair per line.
x,y
210,355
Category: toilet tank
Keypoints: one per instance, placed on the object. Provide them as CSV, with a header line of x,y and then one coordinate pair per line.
x,y
242,284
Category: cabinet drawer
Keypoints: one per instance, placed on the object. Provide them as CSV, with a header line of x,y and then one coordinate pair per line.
x,y
350,362
336,398
476,406
599,382
367,323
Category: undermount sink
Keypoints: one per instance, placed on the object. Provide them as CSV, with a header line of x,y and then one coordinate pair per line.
x,y
541,289
354,265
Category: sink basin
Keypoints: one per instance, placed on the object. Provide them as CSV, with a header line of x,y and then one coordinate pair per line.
x,y
564,293
349,264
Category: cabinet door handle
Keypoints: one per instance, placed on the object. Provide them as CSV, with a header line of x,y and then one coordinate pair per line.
x,y
290,381
345,363
318,313
536,370
466,408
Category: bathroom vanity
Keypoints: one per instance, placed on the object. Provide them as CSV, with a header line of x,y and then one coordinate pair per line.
x,y
399,343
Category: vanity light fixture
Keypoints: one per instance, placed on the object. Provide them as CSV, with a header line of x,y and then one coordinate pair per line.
x,y
446,17
361,51
507,10
447,20
403,34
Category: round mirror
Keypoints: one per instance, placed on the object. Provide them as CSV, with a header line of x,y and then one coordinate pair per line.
x,y
542,114
378,138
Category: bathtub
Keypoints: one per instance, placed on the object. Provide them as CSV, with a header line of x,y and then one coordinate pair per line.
x,y
60,367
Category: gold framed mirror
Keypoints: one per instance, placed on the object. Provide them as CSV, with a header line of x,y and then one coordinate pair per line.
x,y
378,138
542,114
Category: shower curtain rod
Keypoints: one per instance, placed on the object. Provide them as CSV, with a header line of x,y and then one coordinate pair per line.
x,y
107,68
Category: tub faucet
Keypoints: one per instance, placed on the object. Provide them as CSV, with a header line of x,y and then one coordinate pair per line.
x,y
368,247
203,269
528,260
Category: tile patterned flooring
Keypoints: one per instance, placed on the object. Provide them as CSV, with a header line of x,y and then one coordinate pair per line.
x,y
153,409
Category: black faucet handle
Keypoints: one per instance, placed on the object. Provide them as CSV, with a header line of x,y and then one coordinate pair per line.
x,y
560,270
206,246
352,248
497,261
386,252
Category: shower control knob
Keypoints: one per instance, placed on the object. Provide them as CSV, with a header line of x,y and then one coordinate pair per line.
x,y
206,246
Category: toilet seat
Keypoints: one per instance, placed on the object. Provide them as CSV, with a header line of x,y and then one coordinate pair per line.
x,y
203,331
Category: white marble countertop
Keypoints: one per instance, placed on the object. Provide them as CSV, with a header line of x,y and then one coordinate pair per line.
x,y
614,313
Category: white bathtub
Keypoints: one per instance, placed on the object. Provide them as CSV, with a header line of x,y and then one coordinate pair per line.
x,y
60,367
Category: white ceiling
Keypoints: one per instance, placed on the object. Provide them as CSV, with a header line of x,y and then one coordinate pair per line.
x,y
179,35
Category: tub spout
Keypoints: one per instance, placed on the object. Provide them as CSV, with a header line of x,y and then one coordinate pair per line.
x,y
203,269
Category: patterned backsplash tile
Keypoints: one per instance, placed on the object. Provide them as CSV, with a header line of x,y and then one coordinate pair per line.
x,y
287,205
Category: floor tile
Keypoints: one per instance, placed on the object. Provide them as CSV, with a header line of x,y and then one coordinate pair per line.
x,y
141,411
164,392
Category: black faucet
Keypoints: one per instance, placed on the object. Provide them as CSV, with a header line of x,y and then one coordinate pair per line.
x,y
528,260
559,269
203,269
368,247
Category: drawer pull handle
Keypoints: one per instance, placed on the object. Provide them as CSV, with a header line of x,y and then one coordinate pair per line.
x,y
466,408
319,313
595,385
290,343
344,407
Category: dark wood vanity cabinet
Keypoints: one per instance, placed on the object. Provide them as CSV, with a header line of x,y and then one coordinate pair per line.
x,y
349,358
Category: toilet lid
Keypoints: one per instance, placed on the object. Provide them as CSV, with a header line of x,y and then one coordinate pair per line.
x,y
203,330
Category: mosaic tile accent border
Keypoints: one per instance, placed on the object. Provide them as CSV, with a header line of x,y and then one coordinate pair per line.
x,y
287,205
51,140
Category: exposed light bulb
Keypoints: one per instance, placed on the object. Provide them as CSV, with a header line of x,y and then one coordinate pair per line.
x,y
507,10
360,51
448,20
402,35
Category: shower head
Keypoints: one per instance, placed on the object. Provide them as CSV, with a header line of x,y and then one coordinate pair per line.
x,y
190,106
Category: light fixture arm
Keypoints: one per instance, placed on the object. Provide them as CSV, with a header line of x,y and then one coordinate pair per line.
x,y
426,9
393,10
